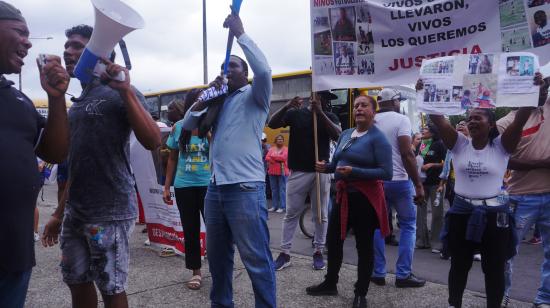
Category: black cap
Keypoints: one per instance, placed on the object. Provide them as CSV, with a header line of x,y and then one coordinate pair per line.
x,y
8,11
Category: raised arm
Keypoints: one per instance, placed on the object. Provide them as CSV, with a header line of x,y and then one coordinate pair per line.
x,y
146,130
278,118
334,130
447,132
512,135
54,144
261,84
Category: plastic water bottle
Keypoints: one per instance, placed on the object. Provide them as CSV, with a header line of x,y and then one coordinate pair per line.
x,y
437,201
502,217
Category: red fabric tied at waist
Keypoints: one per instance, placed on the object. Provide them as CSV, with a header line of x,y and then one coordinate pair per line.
x,y
374,191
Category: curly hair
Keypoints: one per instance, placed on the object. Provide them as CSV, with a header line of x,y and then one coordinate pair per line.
x,y
185,136
83,30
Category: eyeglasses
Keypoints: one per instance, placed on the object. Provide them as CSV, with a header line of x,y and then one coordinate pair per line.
x,y
349,143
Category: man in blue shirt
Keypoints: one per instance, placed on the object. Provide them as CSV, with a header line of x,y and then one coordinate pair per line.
x,y
235,205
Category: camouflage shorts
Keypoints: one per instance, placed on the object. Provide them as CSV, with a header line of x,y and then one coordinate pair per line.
x,y
96,252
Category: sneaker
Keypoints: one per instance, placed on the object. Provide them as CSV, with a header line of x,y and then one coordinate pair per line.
x,y
279,211
409,282
379,281
534,241
147,242
390,240
282,261
477,257
318,262
359,302
443,256
324,288
436,250
36,237
271,209
505,301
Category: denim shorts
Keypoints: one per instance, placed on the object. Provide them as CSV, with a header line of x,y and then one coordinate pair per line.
x,y
96,252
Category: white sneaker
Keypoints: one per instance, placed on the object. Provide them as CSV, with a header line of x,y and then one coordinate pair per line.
x,y
270,209
36,237
147,242
477,257
279,211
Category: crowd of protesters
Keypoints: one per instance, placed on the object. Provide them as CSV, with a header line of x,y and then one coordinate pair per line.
x,y
224,182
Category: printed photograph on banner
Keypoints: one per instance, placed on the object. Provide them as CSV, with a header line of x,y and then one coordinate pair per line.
x,y
320,20
538,25
480,64
365,65
322,43
516,73
516,40
363,14
463,97
323,66
511,12
344,58
520,66
436,93
365,39
482,90
342,21
444,67
534,3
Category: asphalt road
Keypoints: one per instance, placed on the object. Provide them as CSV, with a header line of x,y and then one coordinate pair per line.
x,y
426,265
527,264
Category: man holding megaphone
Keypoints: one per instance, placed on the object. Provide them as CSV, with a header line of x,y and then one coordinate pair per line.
x,y
99,210
235,205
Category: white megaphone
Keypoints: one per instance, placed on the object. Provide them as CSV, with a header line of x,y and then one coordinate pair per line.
x,y
113,20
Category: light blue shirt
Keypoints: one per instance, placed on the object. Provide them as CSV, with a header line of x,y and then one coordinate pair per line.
x,y
236,149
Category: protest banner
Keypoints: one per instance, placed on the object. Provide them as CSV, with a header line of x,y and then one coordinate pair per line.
x,y
359,43
163,221
455,84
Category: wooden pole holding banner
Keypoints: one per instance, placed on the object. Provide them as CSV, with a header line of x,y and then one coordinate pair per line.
x,y
317,175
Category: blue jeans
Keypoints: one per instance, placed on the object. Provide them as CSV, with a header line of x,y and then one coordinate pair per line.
x,y
278,191
236,214
13,288
399,195
533,209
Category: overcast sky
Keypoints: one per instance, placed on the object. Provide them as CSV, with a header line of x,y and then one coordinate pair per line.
x,y
167,53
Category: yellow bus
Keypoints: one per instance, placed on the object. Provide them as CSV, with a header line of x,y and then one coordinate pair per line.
x,y
289,85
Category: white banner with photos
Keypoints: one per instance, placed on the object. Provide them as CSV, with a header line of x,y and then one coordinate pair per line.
x,y
455,84
359,43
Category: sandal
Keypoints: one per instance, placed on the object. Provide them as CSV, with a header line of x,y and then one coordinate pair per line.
x,y
167,252
195,283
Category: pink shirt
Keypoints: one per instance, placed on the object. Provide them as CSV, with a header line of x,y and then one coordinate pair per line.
x,y
277,160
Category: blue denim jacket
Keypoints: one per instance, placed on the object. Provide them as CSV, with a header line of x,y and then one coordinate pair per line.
x,y
478,221
236,148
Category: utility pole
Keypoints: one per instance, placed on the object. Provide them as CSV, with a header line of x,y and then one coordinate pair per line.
x,y
204,47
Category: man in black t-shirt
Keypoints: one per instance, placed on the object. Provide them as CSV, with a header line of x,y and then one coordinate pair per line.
x,y
301,161
24,134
